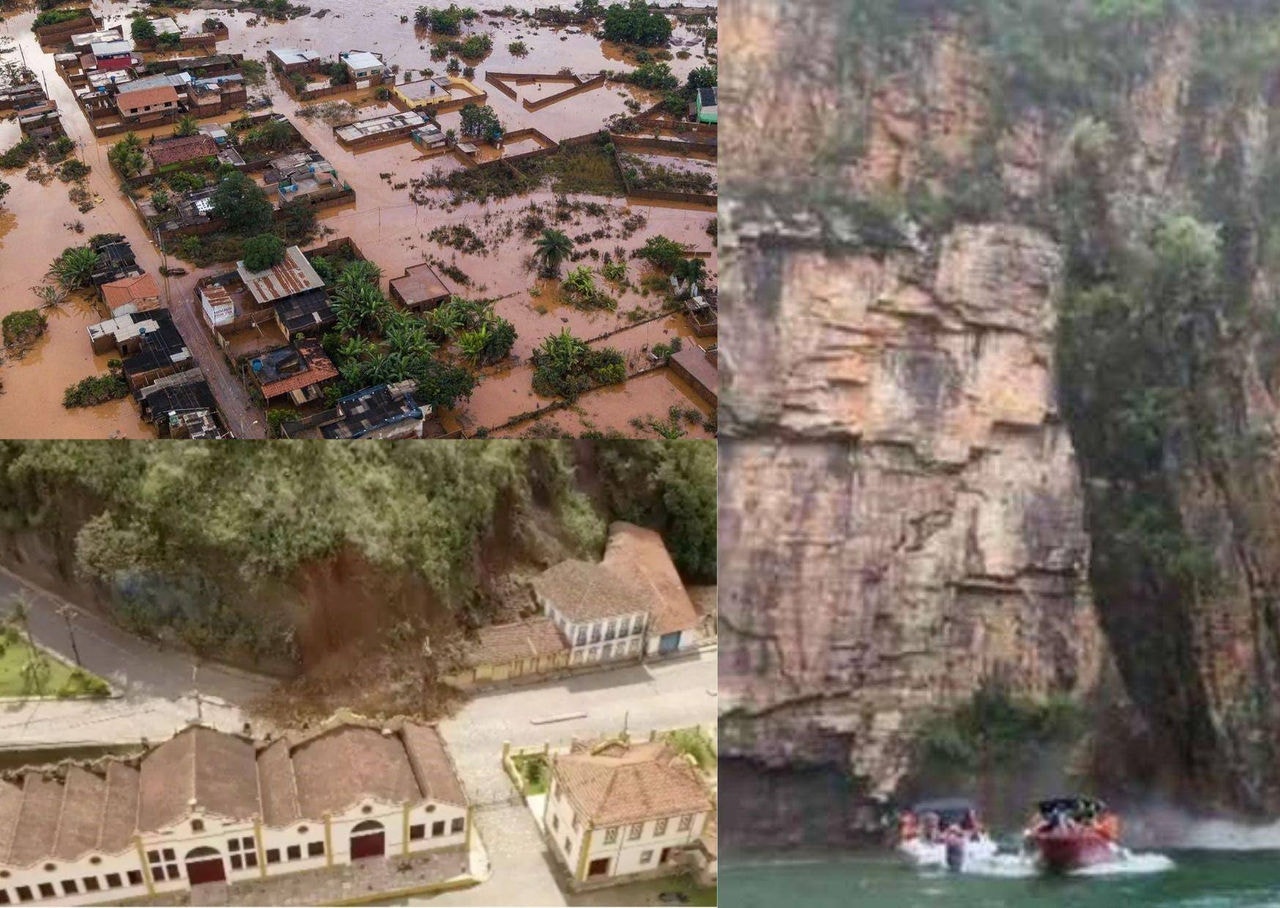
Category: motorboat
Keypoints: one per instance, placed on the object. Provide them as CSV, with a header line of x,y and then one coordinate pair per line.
x,y
1073,833
944,833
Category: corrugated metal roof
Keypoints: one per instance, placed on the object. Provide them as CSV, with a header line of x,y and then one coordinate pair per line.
x,y
293,275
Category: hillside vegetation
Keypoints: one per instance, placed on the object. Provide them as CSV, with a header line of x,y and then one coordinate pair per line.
x,y
298,549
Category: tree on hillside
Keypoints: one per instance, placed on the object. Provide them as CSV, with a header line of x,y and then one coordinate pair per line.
x,y
242,204
550,250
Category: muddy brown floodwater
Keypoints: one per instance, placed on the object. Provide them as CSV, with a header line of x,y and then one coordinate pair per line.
x,y
387,225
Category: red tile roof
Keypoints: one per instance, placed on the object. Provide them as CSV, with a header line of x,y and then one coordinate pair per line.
x,y
639,556
187,148
319,368
130,290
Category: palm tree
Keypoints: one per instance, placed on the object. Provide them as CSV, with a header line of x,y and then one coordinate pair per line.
x,y
446,320
360,272
363,304
563,352
408,337
550,249
473,344
356,348
74,267
186,126
356,374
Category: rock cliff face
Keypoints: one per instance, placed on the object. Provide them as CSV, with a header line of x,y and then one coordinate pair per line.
x,y
909,507
902,517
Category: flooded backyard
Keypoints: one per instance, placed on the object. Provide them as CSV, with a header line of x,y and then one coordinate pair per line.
x,y
490,244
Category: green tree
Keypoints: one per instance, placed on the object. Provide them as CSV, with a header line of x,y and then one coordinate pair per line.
x,y
693,270
636,23
661,252
141,29
73,269
480,122
701,77
126,156
263,251
550,251
4,189
440,384
186,126
242,204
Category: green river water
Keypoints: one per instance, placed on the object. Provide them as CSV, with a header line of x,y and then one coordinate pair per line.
x,y
1187,879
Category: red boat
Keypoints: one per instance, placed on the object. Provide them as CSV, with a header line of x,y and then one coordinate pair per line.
x,y
1072,833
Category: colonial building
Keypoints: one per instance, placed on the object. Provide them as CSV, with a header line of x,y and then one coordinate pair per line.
x,y
617,810
210,807
630,603
599,616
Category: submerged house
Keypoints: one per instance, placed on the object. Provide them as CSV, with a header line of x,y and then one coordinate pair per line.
x,y
294,290
705,105
384,411
148,104
365,68
298,372
195,151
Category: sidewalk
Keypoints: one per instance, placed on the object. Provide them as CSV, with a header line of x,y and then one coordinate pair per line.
x,y
43,724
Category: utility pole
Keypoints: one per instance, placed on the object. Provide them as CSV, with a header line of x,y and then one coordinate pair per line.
x,y
67,613
195,669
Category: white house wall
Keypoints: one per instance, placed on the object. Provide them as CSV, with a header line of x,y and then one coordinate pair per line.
x,y
592,649
688,640
183,839
558,817
626,854
120,863
280,838
217,834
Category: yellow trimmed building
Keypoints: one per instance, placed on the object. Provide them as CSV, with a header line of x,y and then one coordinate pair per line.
x,y
618,811
507,651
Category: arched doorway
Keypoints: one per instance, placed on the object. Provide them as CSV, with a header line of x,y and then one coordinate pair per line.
x,y
368,840
205,865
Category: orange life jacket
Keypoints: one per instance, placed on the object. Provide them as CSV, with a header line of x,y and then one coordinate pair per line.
x,y
1108,826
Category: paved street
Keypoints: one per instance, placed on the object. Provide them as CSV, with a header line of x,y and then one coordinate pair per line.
x,y
156,688
156,685
673,694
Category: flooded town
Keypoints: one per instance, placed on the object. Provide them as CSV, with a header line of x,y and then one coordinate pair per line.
x,y
258,219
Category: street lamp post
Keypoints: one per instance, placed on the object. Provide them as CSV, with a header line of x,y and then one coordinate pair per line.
x,y
67,613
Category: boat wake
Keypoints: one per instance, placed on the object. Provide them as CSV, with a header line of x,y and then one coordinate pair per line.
x,y
1017,866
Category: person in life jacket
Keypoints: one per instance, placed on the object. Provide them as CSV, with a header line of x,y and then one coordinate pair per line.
x,y
1108,826
908,826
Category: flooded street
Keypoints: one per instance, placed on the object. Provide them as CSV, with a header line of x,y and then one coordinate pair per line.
x,y
385,223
